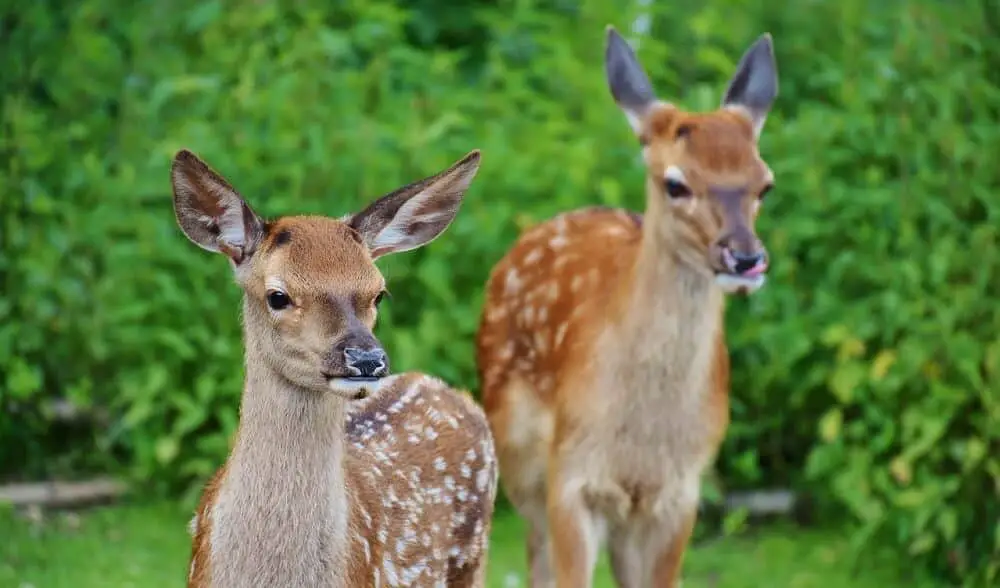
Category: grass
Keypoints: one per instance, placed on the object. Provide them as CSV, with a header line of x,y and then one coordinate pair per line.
x,y
147,545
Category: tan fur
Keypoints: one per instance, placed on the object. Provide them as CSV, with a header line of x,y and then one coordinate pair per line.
x,y
393,489
603,362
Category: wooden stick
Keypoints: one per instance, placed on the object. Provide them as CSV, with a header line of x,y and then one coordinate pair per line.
x,y
56,493
762,502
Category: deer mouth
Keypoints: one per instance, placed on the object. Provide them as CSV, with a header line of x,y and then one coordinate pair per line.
x,y
740,275
739,283
354,387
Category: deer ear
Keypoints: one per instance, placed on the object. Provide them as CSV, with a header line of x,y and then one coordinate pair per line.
x,y
415,214
754,86
210,212
629,84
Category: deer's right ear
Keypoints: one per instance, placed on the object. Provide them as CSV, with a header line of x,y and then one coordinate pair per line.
x,y
210,212
629,84
754,86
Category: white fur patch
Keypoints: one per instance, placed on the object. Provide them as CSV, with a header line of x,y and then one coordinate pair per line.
x,y
634,120
676,174
731,284
352,389
274,283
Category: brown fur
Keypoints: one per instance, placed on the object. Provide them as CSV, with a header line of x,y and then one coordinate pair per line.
x,y
323,488
603,361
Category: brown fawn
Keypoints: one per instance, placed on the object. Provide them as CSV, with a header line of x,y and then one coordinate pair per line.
x,y
601,351
340,474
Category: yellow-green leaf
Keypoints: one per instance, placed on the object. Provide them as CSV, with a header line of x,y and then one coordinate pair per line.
x,y
166,450
850,348
901,470
975,450
834,335
830,425
922,544
845,380
881,364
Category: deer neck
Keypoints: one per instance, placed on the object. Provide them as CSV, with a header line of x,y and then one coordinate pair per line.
x,y
673,311
282,511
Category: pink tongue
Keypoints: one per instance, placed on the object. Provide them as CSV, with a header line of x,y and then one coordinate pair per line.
x,y
756,270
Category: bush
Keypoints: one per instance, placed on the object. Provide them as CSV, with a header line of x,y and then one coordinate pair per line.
x,y
865,373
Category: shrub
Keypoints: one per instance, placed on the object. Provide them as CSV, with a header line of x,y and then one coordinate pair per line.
x,y
865,373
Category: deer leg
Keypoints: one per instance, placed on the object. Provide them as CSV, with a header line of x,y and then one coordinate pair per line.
x,y
666,563
627,562
539,561
574,534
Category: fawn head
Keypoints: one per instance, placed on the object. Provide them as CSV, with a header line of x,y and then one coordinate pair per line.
x,y
311,288
705,174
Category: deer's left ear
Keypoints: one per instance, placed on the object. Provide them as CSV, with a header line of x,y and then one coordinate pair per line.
x,y
754,86
416,214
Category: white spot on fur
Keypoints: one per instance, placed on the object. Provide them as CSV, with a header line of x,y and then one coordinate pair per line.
x,y
512,282
541,345
390,571
560,333
482,479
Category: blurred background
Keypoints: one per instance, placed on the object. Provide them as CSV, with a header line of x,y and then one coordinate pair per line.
x,y
866,375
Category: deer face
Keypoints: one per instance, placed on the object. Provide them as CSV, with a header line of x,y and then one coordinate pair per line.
x,y
311,287
706,176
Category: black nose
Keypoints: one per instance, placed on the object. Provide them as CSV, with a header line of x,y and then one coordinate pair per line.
x,y
744,262
366,363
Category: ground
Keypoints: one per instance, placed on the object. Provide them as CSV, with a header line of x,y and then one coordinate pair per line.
x,y
147,545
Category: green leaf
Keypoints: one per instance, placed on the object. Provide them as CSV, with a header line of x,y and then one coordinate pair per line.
x,y
830,425
23,379
846,378
166,450
735,521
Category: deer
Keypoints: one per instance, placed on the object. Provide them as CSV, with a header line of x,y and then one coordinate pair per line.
x,y
601,351
341,474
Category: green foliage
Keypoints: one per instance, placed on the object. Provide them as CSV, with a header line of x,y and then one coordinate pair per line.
x,y
866,372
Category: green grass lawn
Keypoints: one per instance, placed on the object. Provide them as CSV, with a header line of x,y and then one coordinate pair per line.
x,y
135,545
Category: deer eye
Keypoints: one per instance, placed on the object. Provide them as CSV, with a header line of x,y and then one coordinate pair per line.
x,y
278,300
381,295
676,189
